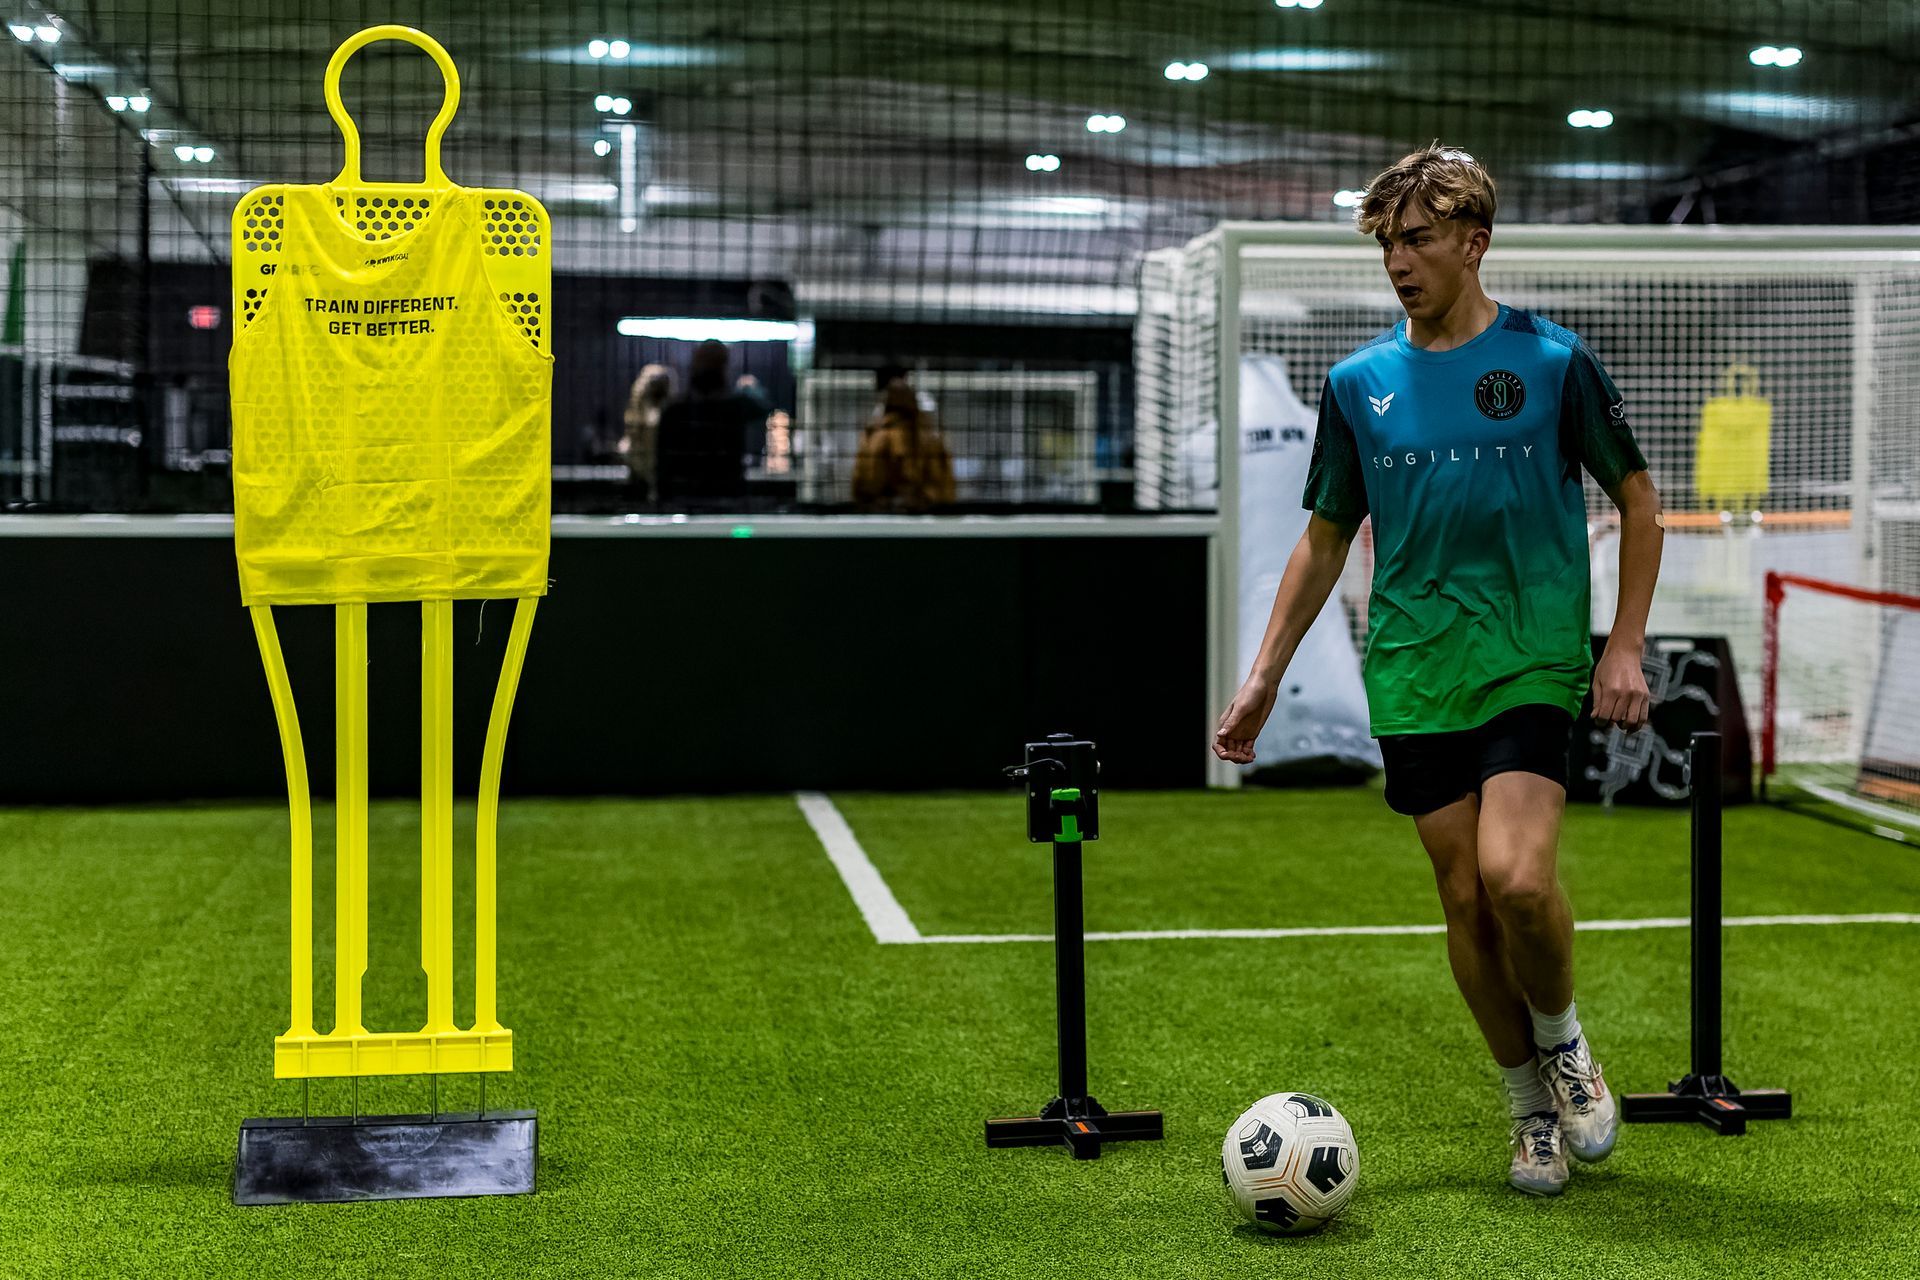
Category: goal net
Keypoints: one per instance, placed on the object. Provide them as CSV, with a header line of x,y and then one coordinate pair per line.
x,y
1840,718
1772,377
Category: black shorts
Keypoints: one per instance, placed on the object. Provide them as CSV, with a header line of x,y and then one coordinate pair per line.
x,y
1428,771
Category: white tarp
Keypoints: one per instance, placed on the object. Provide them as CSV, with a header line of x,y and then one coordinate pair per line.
x,y
1320,717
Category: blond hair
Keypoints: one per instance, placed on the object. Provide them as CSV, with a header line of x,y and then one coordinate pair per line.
x,y
1445,181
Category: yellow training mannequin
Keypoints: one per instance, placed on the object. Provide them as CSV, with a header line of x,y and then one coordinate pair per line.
x,y
392,390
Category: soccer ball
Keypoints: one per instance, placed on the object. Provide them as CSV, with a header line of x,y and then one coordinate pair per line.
x,y
1290,1163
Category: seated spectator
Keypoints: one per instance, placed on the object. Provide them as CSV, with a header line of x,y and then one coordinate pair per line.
x,y
903,464
703,438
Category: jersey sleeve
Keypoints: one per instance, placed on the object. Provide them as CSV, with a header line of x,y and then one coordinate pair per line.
x,y
1594,432
1335,489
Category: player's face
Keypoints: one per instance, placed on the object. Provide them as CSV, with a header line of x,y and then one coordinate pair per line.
x,y
1428,260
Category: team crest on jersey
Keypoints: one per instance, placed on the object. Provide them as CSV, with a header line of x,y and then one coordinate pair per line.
x,y
1500,394
1381,404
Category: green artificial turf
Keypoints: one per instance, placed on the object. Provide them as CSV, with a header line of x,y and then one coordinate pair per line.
x,y
734,1078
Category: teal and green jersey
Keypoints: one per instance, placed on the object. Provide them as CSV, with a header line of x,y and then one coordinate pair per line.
x,y
1469,462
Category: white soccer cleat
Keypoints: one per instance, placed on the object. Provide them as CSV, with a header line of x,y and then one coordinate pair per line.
x,y
1589,1117
1539,1164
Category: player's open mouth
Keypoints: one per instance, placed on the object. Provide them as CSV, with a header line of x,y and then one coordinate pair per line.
x,y
1408,292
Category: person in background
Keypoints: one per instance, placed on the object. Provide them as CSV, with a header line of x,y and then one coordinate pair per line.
x,y
702,446
749,386
647,400
903,464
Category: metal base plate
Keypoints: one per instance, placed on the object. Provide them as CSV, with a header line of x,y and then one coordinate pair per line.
x,y
287,1160
1709,1100
1080,1126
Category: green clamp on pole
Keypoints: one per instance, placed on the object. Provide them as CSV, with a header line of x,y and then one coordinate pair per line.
x,y
1069,821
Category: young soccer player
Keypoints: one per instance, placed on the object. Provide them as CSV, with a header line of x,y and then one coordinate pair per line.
x,y
1462,432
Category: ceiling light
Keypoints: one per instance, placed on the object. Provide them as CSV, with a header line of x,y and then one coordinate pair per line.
x,y
21,31
597,48
1349,198
601,146
47,35
603,102
1301,58
1186,71
619,48
1589,119
1042,163
1769,56
139,102
593,192
1070,206
621,106
1106,124
203,154
1298,4
700,329
184,152
116,102
219,186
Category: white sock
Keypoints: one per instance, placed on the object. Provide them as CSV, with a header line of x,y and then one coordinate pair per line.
x,y
1550,1031
1526,1095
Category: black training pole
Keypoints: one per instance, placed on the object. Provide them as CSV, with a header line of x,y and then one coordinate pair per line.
x,y
1706,1096
1070,969
1707,951
1063,809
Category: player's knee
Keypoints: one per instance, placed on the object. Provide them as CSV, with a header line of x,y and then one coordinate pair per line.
x,y
1522,897
1459,896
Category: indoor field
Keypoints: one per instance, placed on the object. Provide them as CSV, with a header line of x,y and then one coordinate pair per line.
x,y
736,1077
940,638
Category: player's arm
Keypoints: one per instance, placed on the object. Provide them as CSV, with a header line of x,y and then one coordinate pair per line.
x,y
1337,496
1596,433
1619,684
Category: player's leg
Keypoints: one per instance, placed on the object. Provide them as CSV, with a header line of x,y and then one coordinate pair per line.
x,y
1519,841
1519,838
1474,947
1476,953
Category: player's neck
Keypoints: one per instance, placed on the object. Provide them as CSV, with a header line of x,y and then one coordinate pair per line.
x,y
1469,317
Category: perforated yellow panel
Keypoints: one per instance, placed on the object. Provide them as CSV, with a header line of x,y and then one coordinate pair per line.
x,y
515,235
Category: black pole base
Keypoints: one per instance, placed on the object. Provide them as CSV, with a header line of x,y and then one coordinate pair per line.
x,y
1082,1124
288,1160
1713,1101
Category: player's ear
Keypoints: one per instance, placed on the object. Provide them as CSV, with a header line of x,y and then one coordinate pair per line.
x,y
1478,238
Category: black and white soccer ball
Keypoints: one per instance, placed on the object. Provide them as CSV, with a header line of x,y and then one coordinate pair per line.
x,y
1290,1163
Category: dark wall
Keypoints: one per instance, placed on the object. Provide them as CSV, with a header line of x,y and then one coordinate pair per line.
x,y
128,670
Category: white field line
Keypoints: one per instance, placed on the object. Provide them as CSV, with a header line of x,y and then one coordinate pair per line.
x,y
890,922
1378,930
882,911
